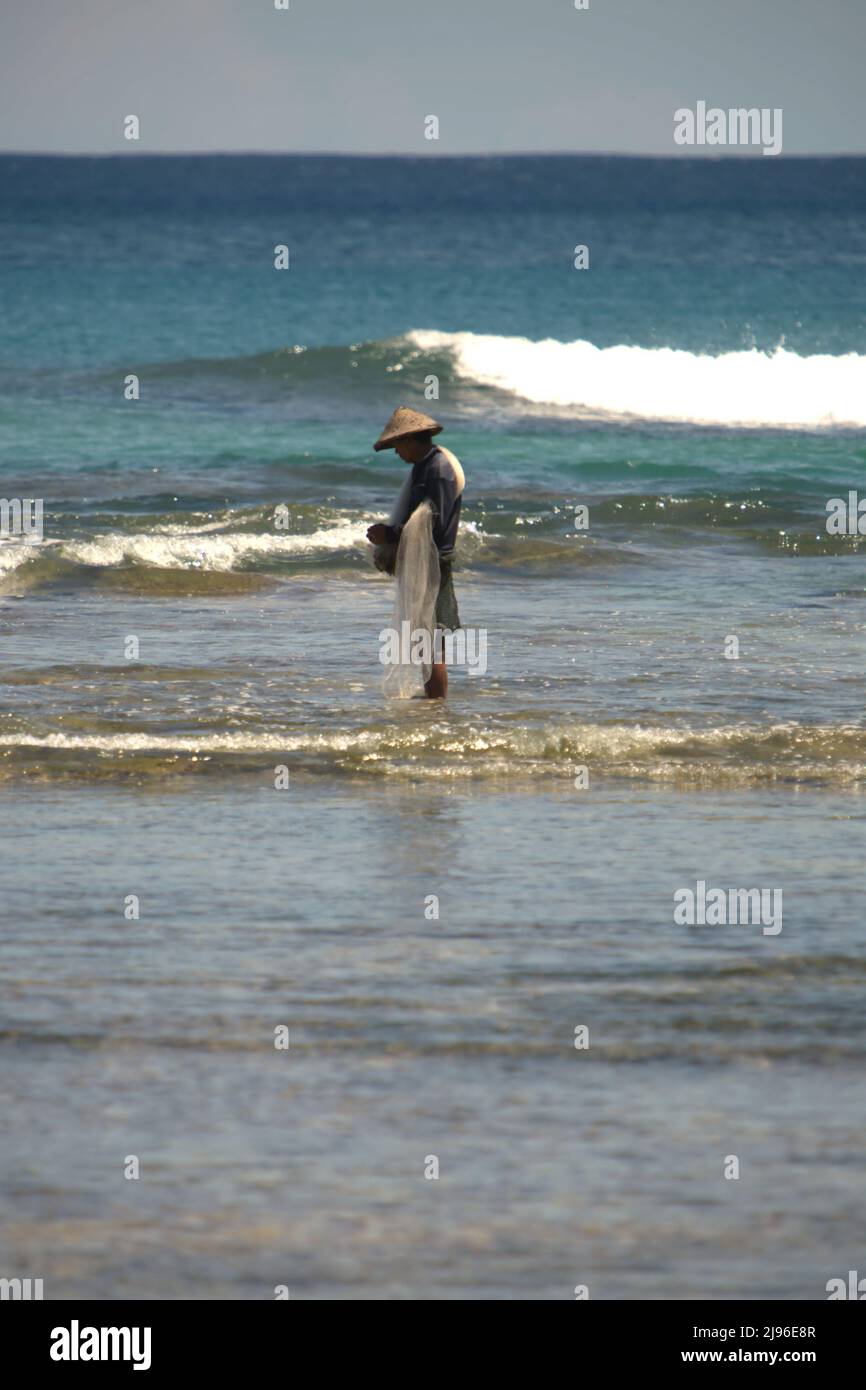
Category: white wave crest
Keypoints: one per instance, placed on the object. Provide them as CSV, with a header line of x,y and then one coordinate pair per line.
x,y
222,552
13,555
748,388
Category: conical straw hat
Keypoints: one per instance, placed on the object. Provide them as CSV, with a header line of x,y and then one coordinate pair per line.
x,y
405,421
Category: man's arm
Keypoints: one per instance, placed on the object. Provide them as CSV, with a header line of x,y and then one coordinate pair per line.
x,y
390,531
443,490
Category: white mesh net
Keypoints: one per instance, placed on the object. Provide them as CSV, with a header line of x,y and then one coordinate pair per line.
x,y
413,621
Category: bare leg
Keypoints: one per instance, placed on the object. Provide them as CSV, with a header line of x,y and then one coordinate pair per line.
x,y
437,686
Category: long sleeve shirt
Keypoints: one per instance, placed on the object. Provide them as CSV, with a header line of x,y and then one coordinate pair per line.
x,y
434,480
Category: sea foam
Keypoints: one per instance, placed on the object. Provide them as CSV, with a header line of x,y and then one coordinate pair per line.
x,y
748,388
171,548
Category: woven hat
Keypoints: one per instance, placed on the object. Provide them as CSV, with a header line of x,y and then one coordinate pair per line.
x,y
405,421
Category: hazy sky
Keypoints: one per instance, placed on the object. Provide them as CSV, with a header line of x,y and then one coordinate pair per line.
x,y
361,75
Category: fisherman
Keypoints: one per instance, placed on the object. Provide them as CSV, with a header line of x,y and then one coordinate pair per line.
x,y
438,479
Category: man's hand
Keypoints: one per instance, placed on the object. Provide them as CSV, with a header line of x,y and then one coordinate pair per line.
x,y
377,535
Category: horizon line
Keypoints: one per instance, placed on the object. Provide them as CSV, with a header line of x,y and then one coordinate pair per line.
x,y
744,153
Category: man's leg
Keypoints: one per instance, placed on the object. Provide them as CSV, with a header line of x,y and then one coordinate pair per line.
x,y
446,617
437,686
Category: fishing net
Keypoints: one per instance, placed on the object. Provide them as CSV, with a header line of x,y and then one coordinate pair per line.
x,y
414,617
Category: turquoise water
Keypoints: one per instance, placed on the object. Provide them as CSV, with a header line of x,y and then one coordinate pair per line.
x,y
701,390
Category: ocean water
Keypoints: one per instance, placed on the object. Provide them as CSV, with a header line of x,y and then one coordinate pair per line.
x,y
701,389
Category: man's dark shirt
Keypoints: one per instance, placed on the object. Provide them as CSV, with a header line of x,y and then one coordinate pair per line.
x,y
433,480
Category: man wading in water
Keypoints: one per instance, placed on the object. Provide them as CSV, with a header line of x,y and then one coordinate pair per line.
x,y
438,479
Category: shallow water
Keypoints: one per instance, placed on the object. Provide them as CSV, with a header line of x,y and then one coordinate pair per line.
x,y
411,1037
606,664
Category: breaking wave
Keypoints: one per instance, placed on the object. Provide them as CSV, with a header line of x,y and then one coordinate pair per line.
x,y
731,755
748,388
